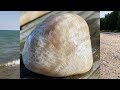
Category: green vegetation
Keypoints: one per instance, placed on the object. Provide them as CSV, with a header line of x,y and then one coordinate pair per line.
x,y
111,22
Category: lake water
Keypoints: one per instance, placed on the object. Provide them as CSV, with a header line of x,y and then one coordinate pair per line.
x,y
9,45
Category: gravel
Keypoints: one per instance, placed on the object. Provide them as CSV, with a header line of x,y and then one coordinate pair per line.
x,y
110,55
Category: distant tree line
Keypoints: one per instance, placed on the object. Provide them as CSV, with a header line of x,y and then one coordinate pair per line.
x,y
111,22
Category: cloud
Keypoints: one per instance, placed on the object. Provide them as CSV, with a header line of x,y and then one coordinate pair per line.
x,y
102,13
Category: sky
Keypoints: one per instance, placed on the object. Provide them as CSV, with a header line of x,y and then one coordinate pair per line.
x,y
9,20
102,13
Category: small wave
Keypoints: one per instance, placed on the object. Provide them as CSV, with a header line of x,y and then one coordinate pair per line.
x,y
13,63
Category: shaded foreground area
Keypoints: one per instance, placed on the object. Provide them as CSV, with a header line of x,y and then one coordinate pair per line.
x,y
110,55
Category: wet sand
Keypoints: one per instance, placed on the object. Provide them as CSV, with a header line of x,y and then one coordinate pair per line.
x,y
10,71
110,55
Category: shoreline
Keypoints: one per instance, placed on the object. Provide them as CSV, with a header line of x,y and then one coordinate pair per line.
x,y
10,70
11,63
9,30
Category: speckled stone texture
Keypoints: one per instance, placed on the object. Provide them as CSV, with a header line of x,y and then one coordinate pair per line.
x,y
59,47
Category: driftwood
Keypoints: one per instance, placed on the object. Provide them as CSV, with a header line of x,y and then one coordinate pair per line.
x,y
31,15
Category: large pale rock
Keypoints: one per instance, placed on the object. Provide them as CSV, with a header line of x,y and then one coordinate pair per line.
x,y
59,47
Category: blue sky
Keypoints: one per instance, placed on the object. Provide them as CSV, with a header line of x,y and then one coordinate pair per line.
x,y
9,20
102,13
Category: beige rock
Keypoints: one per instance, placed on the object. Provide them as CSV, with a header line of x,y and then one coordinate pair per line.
x,y
59,47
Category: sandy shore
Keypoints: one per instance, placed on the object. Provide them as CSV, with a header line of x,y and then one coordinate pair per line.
x,y
110,55
10,70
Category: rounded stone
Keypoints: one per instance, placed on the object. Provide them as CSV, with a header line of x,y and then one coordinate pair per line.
x,y
60,46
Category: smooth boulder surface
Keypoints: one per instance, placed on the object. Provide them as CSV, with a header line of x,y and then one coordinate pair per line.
x,y
59,47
